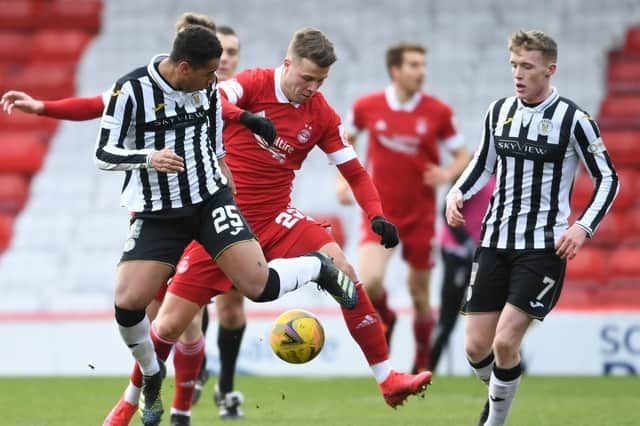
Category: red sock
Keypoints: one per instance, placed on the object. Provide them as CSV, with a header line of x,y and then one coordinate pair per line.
x,y
365,328
162,346
386,313
136,375
187,360
422,328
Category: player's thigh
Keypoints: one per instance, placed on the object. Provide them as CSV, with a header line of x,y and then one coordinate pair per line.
x,y
152,249
536,282
230,308
198,278
511,328
175,315
301,235
137,282
488,287
245,265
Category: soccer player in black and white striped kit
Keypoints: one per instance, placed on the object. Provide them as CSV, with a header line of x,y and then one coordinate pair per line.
x,y
532,142
159,127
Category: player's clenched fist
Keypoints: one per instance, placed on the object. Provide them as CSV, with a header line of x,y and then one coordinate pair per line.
x,y
454,208
386,230
165,161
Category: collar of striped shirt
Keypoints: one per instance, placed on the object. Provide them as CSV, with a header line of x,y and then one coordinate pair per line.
x,y
543,105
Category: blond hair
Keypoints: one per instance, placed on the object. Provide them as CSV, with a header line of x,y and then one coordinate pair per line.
x,y
192,18
535,40
312,44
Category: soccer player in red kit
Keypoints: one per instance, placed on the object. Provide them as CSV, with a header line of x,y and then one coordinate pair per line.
x,y
263,175
405,126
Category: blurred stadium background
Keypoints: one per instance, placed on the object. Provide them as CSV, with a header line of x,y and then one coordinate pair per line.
x,y
61,229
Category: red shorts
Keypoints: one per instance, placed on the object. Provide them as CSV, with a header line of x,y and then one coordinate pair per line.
x,y
198,278
416,239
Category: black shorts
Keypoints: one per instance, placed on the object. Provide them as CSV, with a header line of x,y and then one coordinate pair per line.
x,y
215,223
530,280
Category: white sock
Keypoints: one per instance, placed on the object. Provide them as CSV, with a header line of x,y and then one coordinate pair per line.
x,y
296,272
132,394
139,342
484,368
501,396
381,370
184,413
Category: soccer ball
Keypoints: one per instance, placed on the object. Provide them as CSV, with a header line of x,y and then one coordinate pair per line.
x,y
297,336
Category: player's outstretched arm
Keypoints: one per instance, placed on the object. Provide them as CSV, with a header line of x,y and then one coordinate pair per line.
x,y
76,108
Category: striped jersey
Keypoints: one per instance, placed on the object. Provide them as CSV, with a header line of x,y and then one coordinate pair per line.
x,y
145,114
534,153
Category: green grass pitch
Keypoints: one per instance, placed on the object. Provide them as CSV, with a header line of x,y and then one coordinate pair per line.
x,y
450,401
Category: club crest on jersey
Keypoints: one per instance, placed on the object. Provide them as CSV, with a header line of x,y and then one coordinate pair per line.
x,y
197,100
381,125
304,134
421,126
545,127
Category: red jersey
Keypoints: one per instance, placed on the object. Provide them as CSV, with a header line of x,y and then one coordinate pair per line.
x,y
263,174
403,139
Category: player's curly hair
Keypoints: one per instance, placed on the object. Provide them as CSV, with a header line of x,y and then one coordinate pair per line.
x,y
197,45
535,40
312,44
193,18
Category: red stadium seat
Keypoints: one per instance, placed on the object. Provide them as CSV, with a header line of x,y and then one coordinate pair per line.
x,y
6,230
15,47
14,191
624,266
19,121
620,112
632,40
20,15
611,230
334,224
583,190
72,14
21,154
588,268
53,45
623,77
622,146
44,81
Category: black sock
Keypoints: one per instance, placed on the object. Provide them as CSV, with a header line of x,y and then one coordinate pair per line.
x,y
271,288
229,341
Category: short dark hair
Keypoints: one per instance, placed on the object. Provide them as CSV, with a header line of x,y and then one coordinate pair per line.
x,y
226,30
312,44
196,45
395,53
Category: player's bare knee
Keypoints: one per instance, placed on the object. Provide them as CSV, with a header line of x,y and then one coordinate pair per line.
x,y
167,328
504,348
476,350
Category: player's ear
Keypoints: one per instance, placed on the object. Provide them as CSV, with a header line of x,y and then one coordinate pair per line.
x,y
551,69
